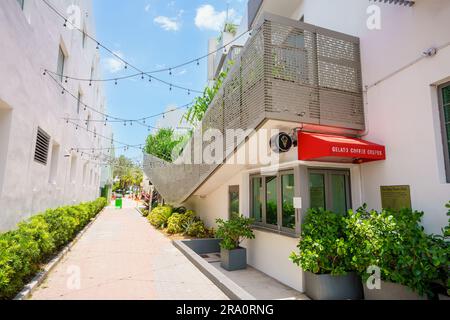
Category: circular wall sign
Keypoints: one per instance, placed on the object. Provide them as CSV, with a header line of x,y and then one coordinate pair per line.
x,y
281,143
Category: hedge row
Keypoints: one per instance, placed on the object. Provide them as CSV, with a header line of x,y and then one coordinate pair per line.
x,y
24,250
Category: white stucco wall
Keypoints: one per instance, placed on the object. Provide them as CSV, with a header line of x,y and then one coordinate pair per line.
x,y
402,109
30,41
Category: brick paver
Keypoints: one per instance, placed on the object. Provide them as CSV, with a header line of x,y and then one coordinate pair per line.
x,y
121,257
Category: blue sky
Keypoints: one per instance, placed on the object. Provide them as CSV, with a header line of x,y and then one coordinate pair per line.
x,y
151,34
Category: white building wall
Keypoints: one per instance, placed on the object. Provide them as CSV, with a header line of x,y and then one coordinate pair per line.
x,y
30,41
402,107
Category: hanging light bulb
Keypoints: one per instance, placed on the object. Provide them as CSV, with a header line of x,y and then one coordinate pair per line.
x,y
65,23
198,62
63,91
170,71
142,76
170,88
149,79
90,83
98,46
126,66
189,92
67,80
115,82
45,72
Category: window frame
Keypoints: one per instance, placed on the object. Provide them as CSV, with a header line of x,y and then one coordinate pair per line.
x,y
327,184
63,66
264,225
444,131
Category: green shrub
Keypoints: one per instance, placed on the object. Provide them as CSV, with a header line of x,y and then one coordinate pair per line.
x,y
397,243
144,212
159,216
177,223
197,229
23,250
323,248
234,231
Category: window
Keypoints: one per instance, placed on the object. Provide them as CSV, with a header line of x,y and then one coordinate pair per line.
x,y
73,169
233,200
272,201
444,107
21,3
61,63
54,163
79,101
330,190
42,147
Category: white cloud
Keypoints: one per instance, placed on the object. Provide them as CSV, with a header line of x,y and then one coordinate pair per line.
x,y
170,24
208,18
113,64
147,8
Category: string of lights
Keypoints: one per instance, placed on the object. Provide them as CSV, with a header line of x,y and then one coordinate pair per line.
x,y
112,119
169,69
128,146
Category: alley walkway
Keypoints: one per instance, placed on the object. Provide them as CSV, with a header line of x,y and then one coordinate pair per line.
x,y
122,257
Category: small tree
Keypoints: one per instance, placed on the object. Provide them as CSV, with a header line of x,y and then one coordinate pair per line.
x,y
234,231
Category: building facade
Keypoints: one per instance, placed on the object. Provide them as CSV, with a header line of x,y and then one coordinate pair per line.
x,y
362,91
48,161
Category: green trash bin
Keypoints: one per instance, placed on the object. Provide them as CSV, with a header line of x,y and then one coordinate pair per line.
x,y
119,203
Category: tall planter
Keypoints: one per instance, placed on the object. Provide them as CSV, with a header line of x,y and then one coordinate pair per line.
x,y
329,287
233,260
391,291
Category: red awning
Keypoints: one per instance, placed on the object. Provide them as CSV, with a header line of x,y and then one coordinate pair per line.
x,y
332,148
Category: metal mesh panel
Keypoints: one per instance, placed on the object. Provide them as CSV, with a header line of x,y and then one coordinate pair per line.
x,y
287,70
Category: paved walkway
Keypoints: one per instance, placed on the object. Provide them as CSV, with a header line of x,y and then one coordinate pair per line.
x,y
121,257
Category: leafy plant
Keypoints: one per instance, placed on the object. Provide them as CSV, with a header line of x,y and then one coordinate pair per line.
x,y
234,231
397,243
197,229
159,216
197,111
323,248
163,143
34,241
177,222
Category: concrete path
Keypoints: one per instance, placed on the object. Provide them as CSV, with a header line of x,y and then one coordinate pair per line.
x,y
121,257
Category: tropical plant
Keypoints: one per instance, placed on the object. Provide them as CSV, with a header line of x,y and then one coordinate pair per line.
x,y
234,231
323,248
197,229
397,243
23,250
128,173
197,111
163,144
177,222
159,216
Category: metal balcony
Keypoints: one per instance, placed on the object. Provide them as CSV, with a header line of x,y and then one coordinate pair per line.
x,y
288,70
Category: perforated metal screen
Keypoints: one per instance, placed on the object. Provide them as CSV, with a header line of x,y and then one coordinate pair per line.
x,y
287,70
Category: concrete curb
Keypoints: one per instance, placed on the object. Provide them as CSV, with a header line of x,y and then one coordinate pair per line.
x,y
28,290
230,288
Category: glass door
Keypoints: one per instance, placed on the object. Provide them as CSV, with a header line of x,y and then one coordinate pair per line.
x,y
330,190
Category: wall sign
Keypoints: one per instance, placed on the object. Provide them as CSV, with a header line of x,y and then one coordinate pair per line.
x,y
396,197
281,143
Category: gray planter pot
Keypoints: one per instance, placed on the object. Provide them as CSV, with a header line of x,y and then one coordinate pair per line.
x,y
391,291
233,260
328,287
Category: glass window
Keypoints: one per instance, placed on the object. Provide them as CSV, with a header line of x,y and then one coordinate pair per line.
x,y
339,193
256,199
445,119
234,200
317,191
287,195
271,201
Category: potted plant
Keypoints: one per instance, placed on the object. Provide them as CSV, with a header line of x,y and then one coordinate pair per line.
x,y
232,233
395,243
323,256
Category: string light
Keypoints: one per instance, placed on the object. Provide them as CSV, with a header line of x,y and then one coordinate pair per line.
x,y
126,64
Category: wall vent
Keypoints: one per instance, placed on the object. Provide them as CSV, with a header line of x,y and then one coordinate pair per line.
x,y
42,147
